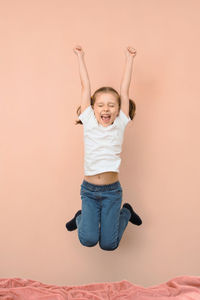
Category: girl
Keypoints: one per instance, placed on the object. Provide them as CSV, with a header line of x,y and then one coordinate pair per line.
x,y
104,117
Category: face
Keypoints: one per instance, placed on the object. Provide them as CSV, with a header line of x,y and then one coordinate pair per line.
x,y
106,108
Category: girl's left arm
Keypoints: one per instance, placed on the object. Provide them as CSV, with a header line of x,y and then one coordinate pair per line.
x,y
126,79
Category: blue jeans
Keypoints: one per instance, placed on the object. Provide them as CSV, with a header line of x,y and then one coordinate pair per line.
x,y
101,219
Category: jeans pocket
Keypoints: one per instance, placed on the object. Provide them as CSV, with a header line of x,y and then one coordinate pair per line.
x,y
85,192
117,191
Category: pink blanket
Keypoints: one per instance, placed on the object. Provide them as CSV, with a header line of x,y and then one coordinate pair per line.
x,y
179,288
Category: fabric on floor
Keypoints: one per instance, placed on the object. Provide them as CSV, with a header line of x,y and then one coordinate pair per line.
x,y
179,288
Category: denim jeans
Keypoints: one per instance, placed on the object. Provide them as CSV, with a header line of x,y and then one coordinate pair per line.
x,y
102,219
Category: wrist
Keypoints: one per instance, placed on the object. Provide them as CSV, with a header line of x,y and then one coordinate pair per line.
x,y
80,56
129,58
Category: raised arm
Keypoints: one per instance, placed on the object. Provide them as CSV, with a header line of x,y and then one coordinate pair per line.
x,y
126,79
85,82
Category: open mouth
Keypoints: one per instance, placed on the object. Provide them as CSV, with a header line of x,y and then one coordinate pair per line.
x,y
106,118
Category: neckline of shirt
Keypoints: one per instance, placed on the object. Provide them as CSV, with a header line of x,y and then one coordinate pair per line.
x,y
106,127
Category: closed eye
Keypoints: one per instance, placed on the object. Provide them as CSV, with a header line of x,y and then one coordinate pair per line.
x,y
109,105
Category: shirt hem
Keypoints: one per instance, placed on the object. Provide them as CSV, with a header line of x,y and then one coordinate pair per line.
x,y
102,171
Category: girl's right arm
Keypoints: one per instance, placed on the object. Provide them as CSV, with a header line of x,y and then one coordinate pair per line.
x,y
85,82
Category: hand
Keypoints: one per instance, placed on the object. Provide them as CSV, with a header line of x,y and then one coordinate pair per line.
x,y
78,50
130,52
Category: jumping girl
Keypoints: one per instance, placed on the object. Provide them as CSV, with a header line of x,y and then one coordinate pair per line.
x,y
104,117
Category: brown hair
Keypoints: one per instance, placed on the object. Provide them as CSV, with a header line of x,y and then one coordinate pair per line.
x,y
107,89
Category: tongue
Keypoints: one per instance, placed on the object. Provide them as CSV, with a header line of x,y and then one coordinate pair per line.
x,y
106,119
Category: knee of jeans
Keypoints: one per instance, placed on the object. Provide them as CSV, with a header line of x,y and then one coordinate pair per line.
x,y
108,246
88,241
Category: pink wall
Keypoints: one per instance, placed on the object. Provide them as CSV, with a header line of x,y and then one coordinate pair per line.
x,y
41,150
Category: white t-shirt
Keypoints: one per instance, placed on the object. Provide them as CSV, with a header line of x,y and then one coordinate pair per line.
x,y
102,145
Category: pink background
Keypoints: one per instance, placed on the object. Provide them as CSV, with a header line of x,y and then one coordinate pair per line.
x,y
41,150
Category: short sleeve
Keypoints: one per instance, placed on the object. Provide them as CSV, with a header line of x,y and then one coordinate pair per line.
x,y
86,114
123,118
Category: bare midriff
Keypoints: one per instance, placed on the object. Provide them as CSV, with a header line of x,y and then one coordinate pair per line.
x,y
103,178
